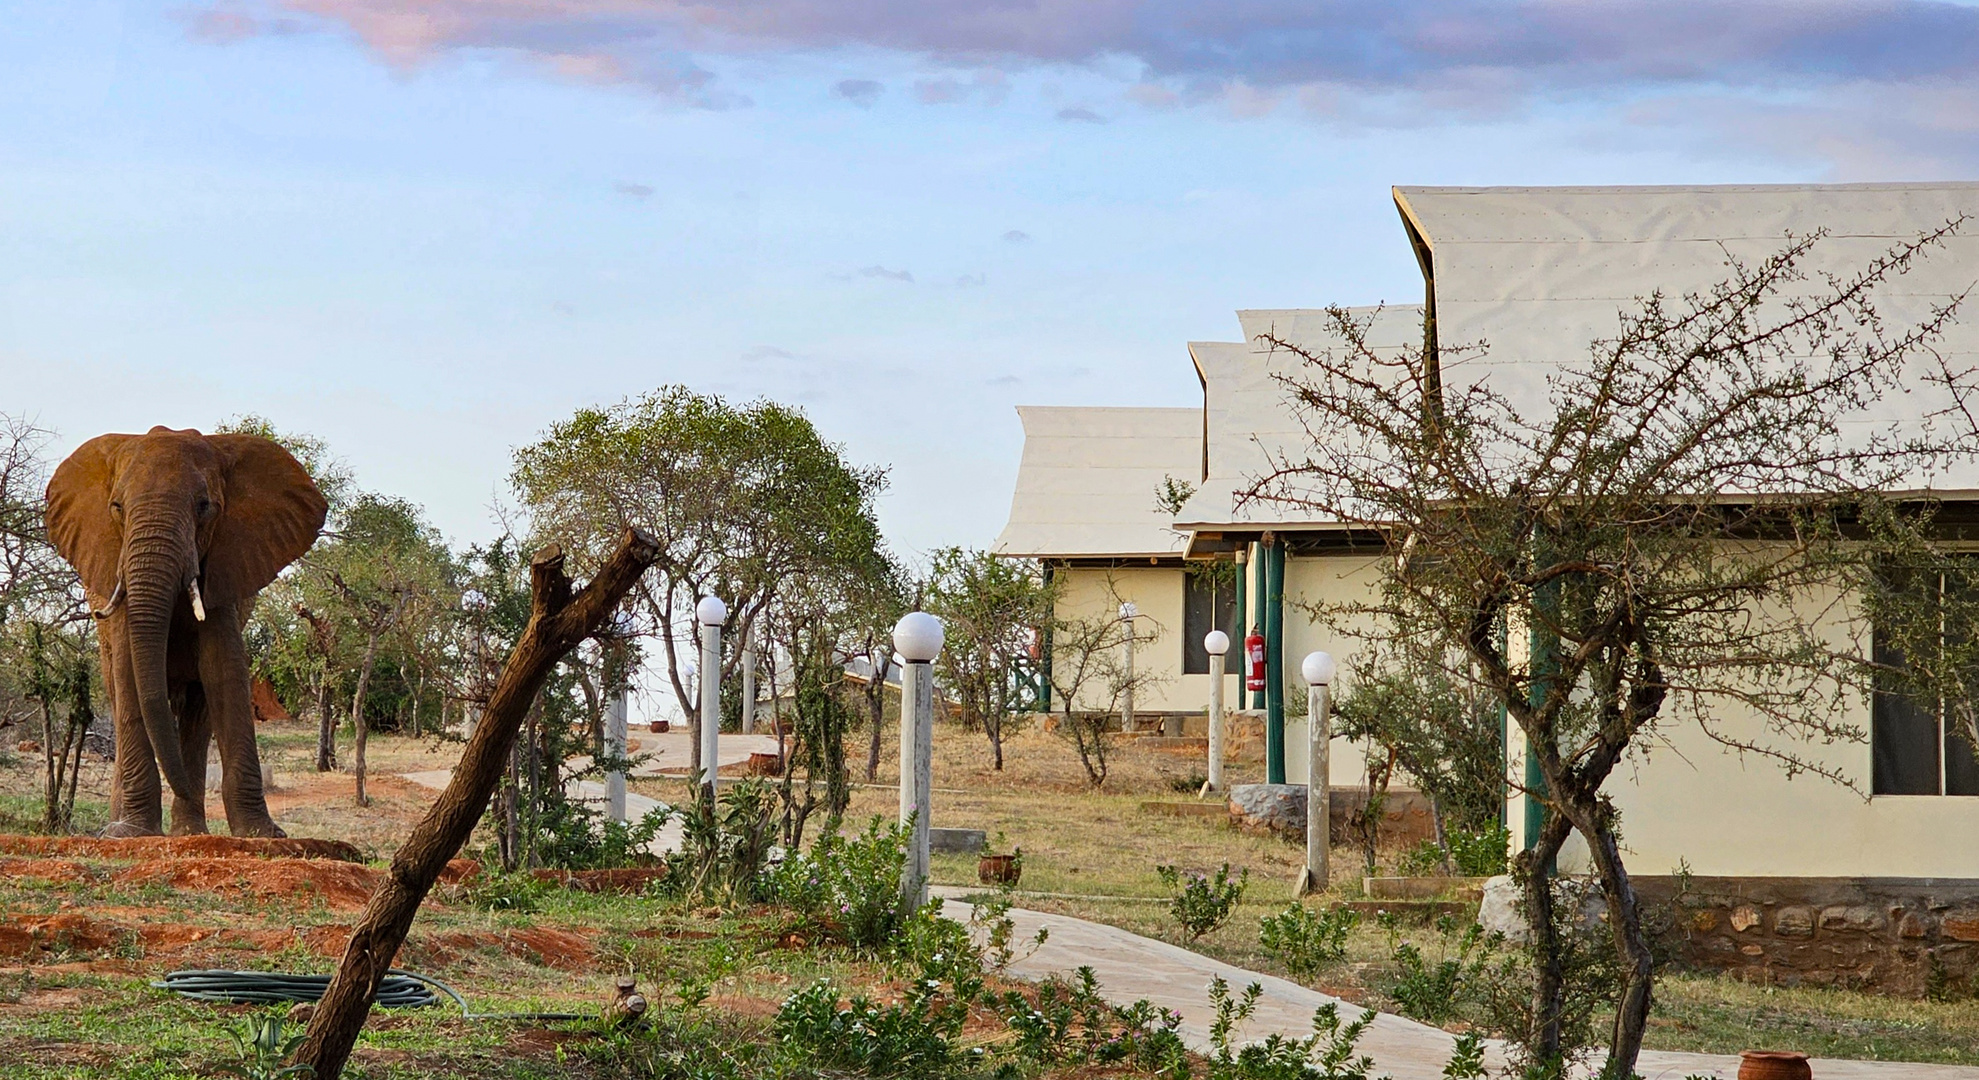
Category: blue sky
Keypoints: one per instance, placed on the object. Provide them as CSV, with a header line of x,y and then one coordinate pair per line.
x,y
426,230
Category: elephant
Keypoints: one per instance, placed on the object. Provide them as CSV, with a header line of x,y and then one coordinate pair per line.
x,y
174,533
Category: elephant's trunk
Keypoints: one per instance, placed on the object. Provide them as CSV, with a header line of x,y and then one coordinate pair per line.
x,y
155,574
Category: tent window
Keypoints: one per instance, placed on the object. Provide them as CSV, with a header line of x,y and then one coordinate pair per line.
x,y
1915,750
1208,602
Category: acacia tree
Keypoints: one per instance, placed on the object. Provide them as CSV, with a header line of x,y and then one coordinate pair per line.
x,y
1645,548
991,611
1090,678
741,499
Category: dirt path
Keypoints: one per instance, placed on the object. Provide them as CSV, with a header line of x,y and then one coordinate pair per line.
x,y
1130,967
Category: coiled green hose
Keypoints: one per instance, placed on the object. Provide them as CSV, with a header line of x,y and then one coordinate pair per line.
x,y
400,990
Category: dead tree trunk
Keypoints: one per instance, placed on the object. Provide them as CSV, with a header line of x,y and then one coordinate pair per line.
x,y
558,622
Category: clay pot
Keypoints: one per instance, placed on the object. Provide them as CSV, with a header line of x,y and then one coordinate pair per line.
x,y
999,869
761,764
1773,1065
659,727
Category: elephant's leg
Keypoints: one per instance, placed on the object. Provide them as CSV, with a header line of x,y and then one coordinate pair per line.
x,y
134,802
195,736
230,709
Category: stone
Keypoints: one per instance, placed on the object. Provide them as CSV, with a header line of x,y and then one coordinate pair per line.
x,y
957,841
1752,950
1745,917
1703,920
1498,912
1278,809
1794,922
1851,918
1961,925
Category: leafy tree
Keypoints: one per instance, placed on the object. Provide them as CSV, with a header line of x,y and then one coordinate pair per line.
x,y
743,500
1639,551
991,610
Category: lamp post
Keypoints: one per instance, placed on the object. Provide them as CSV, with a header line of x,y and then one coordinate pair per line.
x,y
1127,613
1216,643
711,613
1319,670
917,638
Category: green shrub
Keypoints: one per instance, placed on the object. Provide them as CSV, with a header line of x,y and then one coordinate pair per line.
x,y
1072,1024
724,850
1328,1054
1482,853
494,891
1303,939
1433,991
850,888
1202,903
913,1038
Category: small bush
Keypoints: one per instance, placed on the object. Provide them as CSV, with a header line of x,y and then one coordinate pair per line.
x,y
849,887
1303,939
1072,1024
1434,991
912,1038
725,849
1202,903
1482,853
1328,1054
498,892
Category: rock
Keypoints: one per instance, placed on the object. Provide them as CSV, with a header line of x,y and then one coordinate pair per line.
x,y
1499,911
1279,809
957,841
1796,922
1962,925
1914,925
1851,918
1745,917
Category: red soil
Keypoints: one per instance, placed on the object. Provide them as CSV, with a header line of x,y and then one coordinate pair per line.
x,y
166,847
338,884
632,880
60,871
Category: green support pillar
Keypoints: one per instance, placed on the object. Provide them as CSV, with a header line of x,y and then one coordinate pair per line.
x,y
1274,662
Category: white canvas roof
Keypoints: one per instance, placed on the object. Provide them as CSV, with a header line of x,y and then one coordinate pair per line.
x,y
1249,423
1540,273
1086,485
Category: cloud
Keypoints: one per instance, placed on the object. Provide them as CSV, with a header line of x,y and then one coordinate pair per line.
x,y
1081,115
860,92
1366,62
987,87
759,353
1004,380
631,190
971,281
1016,236
883,272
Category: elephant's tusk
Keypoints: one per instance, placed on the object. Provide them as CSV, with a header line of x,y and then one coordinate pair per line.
x,y
116,597
198,605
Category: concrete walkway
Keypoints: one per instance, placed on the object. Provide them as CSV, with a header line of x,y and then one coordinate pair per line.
x,y
1130,967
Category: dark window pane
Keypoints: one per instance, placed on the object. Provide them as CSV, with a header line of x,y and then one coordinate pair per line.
x,y
1903,735
1207,604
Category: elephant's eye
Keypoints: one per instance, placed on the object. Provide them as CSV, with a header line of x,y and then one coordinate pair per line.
x,y
116,508
205,509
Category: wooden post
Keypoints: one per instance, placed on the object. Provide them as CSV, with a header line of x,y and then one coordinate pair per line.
x,y
558,623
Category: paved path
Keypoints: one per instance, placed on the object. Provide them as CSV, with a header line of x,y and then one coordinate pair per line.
x,y
1130,967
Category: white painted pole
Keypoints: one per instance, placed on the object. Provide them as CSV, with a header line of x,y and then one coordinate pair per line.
x,y
1216,643
1319,670
749,683
615,746
1127,613
711,613
917,637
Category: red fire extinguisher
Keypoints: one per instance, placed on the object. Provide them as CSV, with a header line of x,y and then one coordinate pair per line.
x,y
1254,661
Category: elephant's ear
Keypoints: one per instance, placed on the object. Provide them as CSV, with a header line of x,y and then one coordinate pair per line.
x,y
270,514
79,520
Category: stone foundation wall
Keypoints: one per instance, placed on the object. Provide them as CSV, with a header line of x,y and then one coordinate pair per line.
x,y
1894,935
